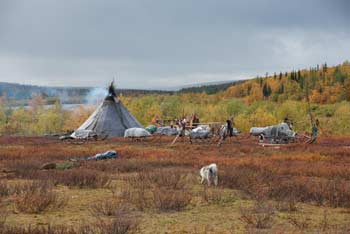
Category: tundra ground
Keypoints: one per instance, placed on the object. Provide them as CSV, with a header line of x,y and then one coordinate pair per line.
x,y
154,188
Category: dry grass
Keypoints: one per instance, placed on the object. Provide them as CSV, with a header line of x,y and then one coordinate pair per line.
x,y
163,190
81,178
110,207
156,181
39,197
260,216
165,199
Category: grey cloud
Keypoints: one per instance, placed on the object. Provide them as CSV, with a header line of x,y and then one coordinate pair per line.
x,y
82,42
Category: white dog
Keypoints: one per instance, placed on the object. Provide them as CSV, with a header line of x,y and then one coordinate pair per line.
x,y
210,174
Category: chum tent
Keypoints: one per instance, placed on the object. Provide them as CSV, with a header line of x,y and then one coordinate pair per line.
x,y
111,118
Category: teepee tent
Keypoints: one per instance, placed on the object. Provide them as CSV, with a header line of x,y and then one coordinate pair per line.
x,y
111,118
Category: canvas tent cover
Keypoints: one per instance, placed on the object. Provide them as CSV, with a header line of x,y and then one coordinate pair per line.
x,y
111,118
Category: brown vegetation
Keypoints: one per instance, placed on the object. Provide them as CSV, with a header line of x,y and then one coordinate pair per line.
x,y
39,197
263,188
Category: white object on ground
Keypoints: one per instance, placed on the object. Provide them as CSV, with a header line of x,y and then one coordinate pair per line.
x,y
210,174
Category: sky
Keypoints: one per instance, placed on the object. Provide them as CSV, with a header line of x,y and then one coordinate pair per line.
x,y
148,44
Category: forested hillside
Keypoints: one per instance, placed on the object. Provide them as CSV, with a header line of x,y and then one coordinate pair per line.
x,y
256,102
323,84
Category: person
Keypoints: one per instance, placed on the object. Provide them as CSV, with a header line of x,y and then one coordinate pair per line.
x,y
195,121
228,132
229,123
156,120
314,131
288,122
183,123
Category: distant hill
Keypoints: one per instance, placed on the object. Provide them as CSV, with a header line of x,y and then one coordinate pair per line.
x,y
22,92
322,84
209,88
13,91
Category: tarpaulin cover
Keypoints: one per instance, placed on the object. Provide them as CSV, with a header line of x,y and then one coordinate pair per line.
x,y
136,132
167,131
151,129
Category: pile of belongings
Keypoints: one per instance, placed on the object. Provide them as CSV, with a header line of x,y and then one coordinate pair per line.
x,y
110,154
167,131
81,134
201,132
151,129
280,131
136,132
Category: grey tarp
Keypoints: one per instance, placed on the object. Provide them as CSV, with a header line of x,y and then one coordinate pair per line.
x,y
111,118
167,131
277,131
101,156
201,132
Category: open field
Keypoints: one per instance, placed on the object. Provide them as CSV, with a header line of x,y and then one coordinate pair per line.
x,y
154,188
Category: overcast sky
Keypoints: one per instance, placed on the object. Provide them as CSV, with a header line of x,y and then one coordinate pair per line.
x,y
165,43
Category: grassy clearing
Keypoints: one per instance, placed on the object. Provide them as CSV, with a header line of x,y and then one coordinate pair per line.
x,y
155,188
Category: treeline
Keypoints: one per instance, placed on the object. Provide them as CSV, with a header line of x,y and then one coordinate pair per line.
x,y
334,118
18,94
25,92
322,84
257,102
210,89
39,120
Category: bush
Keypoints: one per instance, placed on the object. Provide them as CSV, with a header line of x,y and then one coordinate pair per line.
x,y
261,183
287,206
110,207
80,178
259,216
7,189
24,169
165,199
118,225
38,198
3,217
170,179
212,195
163,190
301,222
41,230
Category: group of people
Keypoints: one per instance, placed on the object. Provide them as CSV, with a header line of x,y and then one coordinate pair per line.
x,y
191,123
183,122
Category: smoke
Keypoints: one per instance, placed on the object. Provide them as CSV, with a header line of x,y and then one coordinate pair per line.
x,y
61,94
95,96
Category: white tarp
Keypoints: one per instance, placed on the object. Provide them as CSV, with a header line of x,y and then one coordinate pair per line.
x,y
256,131
83,134
136,132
